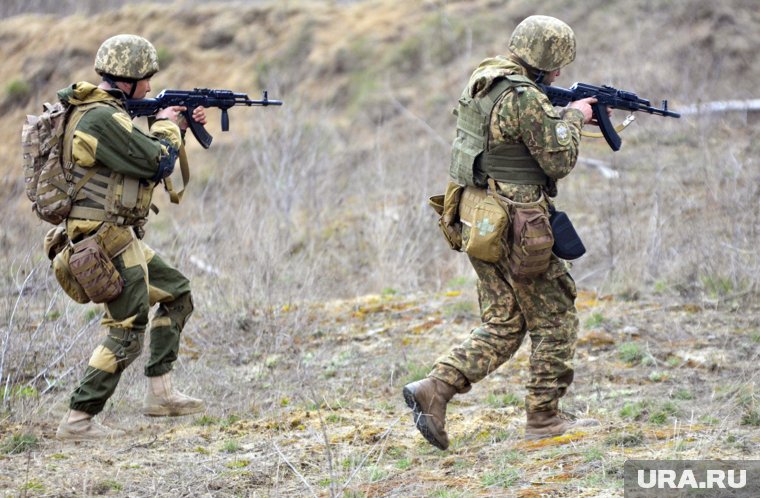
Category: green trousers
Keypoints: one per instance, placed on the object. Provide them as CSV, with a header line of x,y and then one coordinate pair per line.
x,y
148,280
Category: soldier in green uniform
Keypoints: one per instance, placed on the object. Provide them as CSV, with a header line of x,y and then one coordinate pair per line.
x,y
118,166
509,136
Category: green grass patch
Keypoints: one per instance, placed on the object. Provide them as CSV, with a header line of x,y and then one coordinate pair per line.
x,y
593,455
658,376
20,392
683,394
92,313
415,372
631,352
18,90
751,417
502,478
503,400
33,485
459,308
105,486
457,283
663,413
19,443
625,439
377,474
237,464
403,464
633,410
231,446
447,493
595,320
229,420
717,286
206,421
333,418
709,420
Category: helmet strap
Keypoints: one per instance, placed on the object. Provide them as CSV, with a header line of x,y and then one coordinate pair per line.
x,y
112,80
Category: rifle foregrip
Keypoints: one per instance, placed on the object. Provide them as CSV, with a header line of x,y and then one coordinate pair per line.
x,y
199,131
608,130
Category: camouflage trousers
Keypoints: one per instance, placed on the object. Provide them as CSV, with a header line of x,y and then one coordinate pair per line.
x,y
543,307
148,280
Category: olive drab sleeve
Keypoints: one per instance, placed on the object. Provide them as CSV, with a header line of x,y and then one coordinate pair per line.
x,y
107,136
552,136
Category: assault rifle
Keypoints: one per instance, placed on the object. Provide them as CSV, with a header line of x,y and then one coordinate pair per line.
x,y
223,99
606,96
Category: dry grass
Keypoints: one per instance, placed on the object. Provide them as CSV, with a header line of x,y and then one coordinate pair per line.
x,y
299,209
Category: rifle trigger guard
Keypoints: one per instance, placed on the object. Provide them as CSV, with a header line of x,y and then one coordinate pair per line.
x,y
618,128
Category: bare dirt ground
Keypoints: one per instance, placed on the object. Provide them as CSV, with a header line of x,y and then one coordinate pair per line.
x,y
668,380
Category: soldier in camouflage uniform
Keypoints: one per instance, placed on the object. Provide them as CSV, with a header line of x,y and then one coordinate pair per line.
x,y
542,144
119,166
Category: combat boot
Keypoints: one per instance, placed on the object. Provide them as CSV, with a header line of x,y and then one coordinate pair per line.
x,y
79,426
552,423
161,400
428,398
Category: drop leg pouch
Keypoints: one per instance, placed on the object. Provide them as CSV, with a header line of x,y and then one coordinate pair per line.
x,y
94,271
532,240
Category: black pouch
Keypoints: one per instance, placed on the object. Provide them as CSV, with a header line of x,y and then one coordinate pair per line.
x,y
567,243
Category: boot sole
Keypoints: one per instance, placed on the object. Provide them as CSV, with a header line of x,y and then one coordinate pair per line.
x,y
420,420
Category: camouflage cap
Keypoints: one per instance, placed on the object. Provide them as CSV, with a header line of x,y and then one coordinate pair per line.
x,y
127,56
543,42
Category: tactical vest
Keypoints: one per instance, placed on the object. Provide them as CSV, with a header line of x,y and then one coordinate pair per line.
x,y
473,159
105,195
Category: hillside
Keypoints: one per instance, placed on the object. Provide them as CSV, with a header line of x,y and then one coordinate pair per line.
x,y
322,285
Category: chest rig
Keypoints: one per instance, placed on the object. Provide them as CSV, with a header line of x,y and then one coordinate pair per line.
x,y
105,195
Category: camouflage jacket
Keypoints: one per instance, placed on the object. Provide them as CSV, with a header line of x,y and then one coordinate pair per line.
x,y
106,139
105,136
552,136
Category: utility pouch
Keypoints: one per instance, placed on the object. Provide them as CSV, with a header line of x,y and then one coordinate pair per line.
x,y
94,271
58,249
447,207
567,243
65,278
489,220
114,239
532,240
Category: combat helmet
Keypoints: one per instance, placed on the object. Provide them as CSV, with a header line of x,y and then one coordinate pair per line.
x,y
544,43
126,58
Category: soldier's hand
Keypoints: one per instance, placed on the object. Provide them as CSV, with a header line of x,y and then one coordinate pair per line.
x,y
199,115
173,114
584,105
